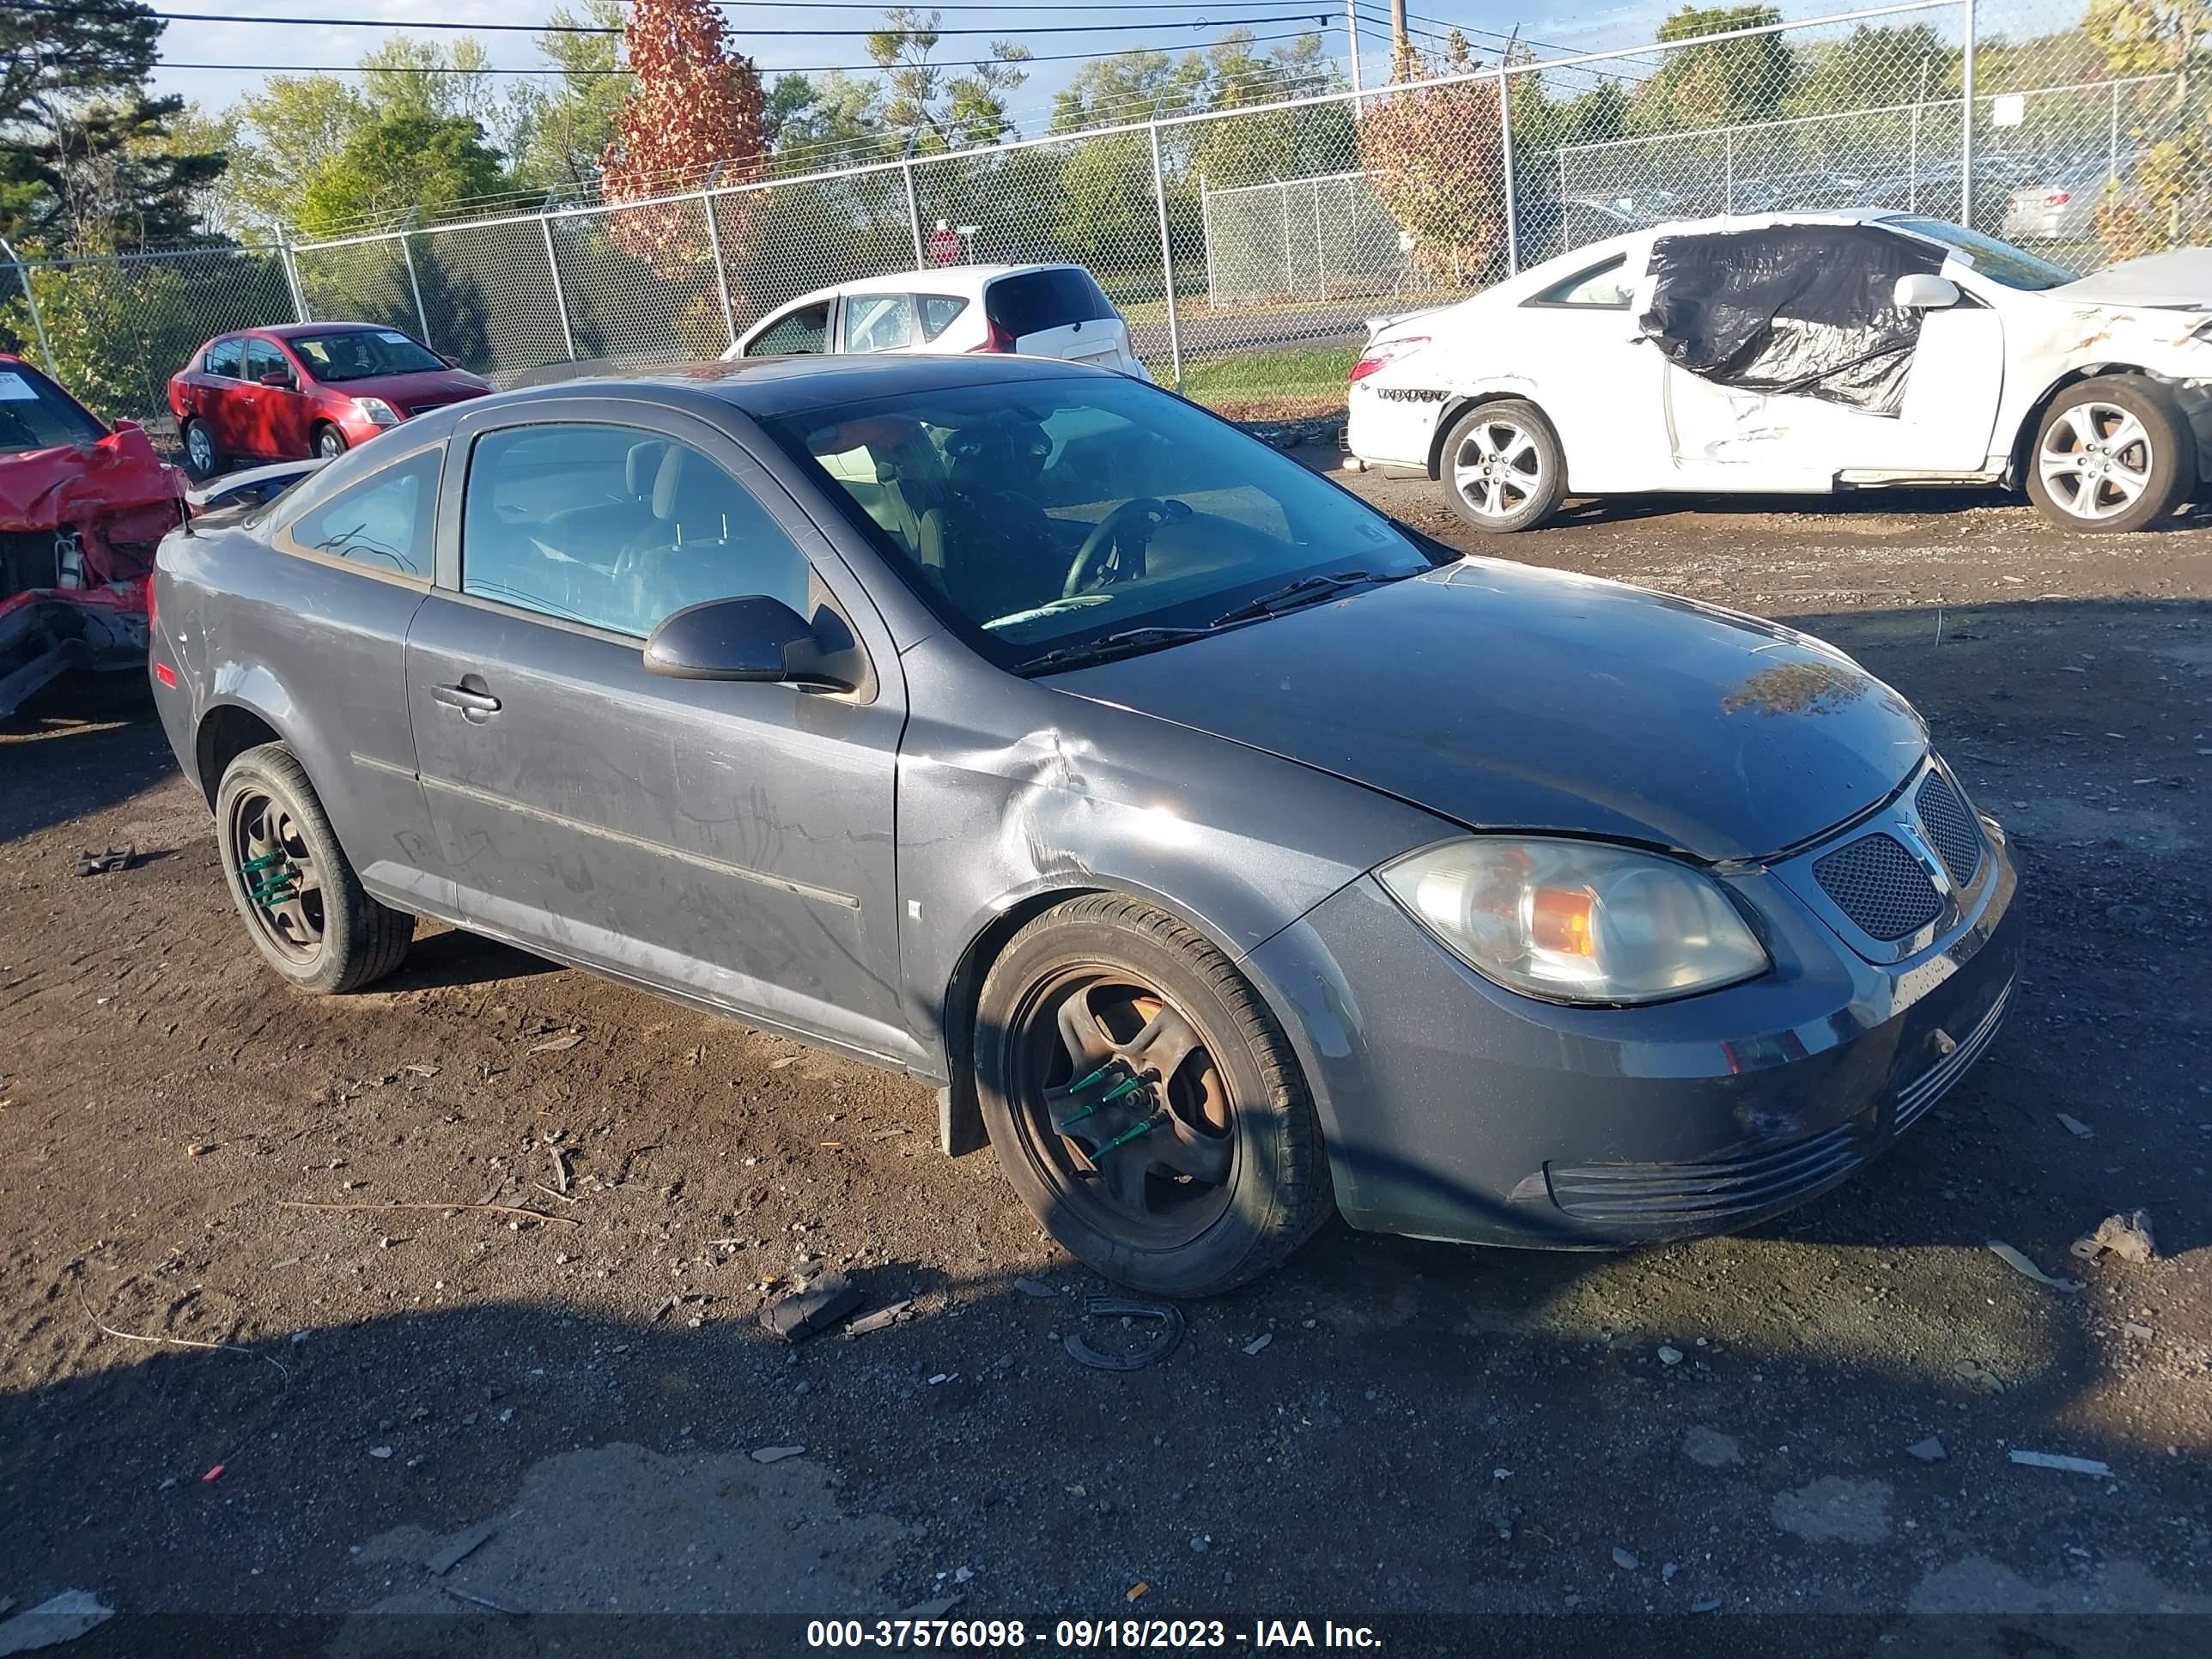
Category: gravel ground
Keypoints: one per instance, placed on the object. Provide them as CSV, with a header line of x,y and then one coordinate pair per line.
x,y
1383,1427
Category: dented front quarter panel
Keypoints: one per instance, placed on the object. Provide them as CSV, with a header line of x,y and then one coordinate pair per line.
x,y
1035,792
2061,341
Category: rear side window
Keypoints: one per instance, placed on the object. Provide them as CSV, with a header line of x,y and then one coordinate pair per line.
x,y
36,414
223,358
1607,287
383,521
939,312
1039,300
804,332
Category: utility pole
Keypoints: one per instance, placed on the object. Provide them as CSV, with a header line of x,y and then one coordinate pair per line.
x,y
1351,45
1401,49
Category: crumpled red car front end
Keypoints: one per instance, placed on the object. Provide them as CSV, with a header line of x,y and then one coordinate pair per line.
x,y
83,508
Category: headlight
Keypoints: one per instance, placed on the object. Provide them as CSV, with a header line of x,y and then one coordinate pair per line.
x,y
377,409
1577,920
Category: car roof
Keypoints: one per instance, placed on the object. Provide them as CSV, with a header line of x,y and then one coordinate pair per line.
x,y
296,330
767,387
968,280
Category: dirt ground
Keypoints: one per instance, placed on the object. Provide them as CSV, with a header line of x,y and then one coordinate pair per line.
x,y
1384,1427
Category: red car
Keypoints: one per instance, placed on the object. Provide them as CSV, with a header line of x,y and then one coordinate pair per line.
x,y
283,394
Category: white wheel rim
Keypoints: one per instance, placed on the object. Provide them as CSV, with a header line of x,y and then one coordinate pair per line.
x,y
327,445
2096,460
201,450
1498,468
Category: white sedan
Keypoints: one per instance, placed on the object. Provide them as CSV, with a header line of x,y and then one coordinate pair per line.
x,y
1802,354
1036,310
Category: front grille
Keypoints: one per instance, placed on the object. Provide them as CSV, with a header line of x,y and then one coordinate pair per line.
x,y
1951,828
1883,889
1723,1192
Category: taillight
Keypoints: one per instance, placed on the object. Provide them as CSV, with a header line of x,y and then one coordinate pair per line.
x,y
166,674
153,610
996,340
2059,198
1380,354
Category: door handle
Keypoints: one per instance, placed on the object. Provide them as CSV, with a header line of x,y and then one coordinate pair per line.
x,y
476,705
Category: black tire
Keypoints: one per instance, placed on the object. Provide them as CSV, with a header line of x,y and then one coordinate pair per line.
x,y
2113,453
209,461
356,940
1207,1236
328,442
1502,467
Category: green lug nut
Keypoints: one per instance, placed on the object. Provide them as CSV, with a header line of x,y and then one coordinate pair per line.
x,y
1128,1135
1081,1084
1131,1083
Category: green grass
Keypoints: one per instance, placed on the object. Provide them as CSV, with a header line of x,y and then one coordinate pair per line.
x,y
1253,376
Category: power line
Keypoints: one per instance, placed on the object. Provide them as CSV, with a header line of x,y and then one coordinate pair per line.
x,y
592,28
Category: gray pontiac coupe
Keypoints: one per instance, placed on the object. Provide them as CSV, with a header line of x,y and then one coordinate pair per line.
x,y
1229,854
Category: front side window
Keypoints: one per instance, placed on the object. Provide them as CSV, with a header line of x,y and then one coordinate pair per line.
x,y
803,332
382,522
559,519
1607,287
36,414
264,360
224,356
2001,262
362,353
1050,514
879,322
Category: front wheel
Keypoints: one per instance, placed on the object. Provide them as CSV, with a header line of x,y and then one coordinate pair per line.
x,y
1144,1102
1503,467
330,442
2113,453
304,908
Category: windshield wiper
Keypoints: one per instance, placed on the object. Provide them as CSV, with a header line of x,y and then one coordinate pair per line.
x,y
1108,647
1307,590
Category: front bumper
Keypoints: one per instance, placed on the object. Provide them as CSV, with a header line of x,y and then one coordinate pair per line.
x,y
1456,1110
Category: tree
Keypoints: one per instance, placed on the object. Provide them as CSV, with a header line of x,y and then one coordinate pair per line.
x,y
942,112
1436,158
1270,144
294,126
1130,86
557,132
1720,83
833,122
394,162
695,110
84,158
1875,66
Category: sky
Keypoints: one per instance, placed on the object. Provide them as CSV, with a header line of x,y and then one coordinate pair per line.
x,y
328,46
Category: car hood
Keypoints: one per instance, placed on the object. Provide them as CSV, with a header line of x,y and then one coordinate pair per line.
x,y
2179,277
429,385
1504,697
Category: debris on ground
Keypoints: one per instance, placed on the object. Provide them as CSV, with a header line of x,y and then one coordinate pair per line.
x,y
1032,1288
107,862
1981,1375
2127,1236
1168,1316
1670,1356
812,1308
1711,1448
1624,1559
2075,1127
461,1547
1136,1590
556,1045
777,1454
59,1618
1704,1604
2063,1464
1929,1451
2020,1264
1258,1343
881,1320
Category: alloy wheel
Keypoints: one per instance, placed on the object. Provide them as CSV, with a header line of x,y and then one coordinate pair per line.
x,y
328,444
2096,460
199,449
1499,468
269,852
1121,1108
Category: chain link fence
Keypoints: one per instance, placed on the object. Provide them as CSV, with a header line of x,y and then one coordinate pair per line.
x,y
1247,247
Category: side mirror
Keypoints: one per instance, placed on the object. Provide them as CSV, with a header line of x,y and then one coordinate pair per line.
x,y
1925,291
449,360
750,638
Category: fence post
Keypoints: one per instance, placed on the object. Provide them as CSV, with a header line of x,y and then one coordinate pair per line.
x,y
1728,170
714,244
1167,257
1205,235
31,299
406,253
2112,139
913,210
560,296
1506,154
1282,199
1966,124
292,275
1320,258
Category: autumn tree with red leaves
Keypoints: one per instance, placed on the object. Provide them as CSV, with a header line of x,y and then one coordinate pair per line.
x,y
1437,162
697,106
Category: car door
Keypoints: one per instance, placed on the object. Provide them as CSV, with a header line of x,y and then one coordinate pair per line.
x,y
286,407
1595,377
879,322
729,841
214,394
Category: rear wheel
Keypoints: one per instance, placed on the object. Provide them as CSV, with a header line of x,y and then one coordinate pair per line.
x,y
2113,453
201,459
1503,468
304,908
330,442
1145,1104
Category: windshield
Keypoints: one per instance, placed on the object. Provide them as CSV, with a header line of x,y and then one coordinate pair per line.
x,y
1036,516
36,414
2001,262
359,354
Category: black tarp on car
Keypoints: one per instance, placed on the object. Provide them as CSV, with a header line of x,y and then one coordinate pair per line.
x,y
1804,309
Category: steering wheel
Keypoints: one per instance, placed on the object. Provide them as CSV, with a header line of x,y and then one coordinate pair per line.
x,y
1137,518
